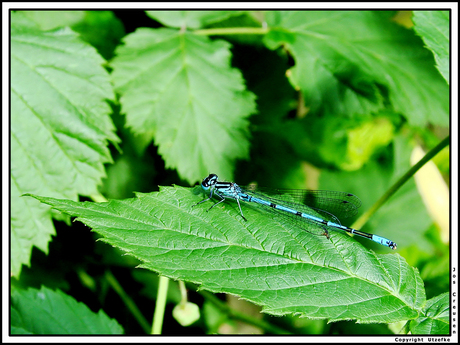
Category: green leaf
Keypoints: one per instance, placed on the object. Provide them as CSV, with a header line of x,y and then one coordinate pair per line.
x,y
59,128
434,318
359,62
190,19
180,87
49,312
99,28
284,269
48,20
433,28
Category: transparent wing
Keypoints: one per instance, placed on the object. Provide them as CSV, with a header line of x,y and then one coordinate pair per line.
x,y
339,204
300,222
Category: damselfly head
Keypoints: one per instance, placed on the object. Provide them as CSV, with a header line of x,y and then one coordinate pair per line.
x,y
209,181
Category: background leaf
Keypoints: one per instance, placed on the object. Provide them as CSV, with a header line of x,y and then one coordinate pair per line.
x,y
48,20
284,269
360,69
435,317
99,28
190,19
59,128
48,312
433,28
179,88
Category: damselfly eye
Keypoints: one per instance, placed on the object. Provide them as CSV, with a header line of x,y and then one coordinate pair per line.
x,y
210,180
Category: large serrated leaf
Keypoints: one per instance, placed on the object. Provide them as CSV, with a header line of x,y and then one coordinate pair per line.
x,y
59,127
180,87
284,269
48,312
354,62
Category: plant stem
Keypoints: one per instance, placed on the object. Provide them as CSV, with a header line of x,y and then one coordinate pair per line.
x,y
411,172
128,301
160,305
232,31
183,292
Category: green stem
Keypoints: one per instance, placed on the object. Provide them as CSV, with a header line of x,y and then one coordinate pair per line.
x,y
183,292
232,31
266,326
160,305
411,172
132,307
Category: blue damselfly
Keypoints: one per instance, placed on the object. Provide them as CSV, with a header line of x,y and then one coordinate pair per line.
x,y
314,211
